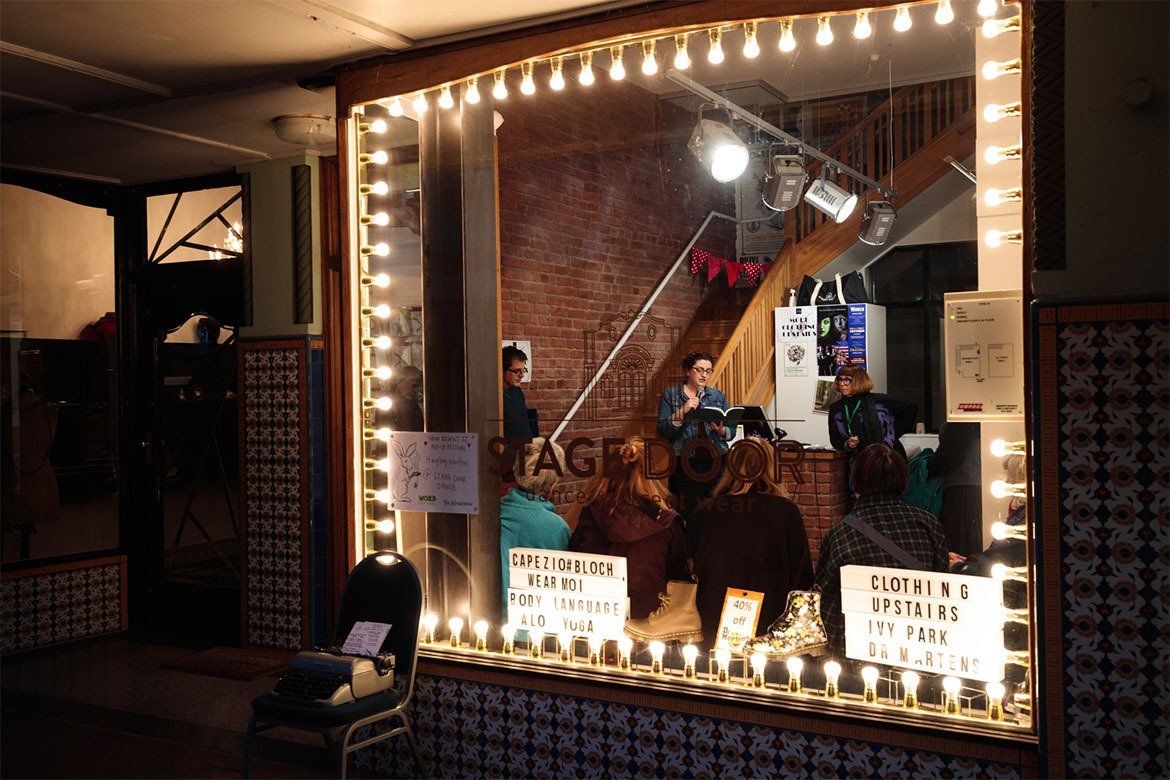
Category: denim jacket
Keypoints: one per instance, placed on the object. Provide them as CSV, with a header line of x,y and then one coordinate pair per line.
x,y
673,399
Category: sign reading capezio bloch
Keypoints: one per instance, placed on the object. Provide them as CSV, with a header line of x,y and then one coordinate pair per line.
x,y
558,591
949,624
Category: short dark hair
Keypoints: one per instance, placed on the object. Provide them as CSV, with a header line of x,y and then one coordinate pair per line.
x,y
879,471
511,353
862,383
689,361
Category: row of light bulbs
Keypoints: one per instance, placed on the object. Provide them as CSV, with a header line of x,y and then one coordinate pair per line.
x,y
719,665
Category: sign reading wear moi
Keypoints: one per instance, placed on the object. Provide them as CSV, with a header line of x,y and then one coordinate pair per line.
x,y
556,591
948,624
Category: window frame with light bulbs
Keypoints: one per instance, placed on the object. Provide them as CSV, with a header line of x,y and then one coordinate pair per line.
x,y
557,53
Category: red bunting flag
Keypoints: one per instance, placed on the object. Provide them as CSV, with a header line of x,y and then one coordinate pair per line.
x,y
714,266
751,270
733,269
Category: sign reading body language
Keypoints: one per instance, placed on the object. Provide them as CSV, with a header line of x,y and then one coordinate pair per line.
x,y
556,591
737,622
941,623
433,472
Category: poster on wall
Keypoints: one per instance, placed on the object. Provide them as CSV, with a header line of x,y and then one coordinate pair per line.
x,y
526,348
949,624
796,340
762,234
983,342
433,472
556,591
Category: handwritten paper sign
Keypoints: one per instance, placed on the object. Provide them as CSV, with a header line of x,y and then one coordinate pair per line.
x,y
737,622
365,638
558,591
941,623
434,472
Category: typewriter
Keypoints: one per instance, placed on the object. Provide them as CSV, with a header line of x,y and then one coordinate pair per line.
x,y
328,679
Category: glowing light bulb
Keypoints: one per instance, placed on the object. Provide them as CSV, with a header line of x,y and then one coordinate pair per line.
x,y
993,69
430,621
508,632
471,91
999,572
617,71
987,8
869,675
381,311
787,39
586,76
385,496
993,28
481,630
944,14
377,188
715,53
378,126
536,643
395,108
824,31
384,526
656,650
682,59
625,646
999,488
445,99
795,665
690,654
500,88
994,155
381,342
832,678
993,112
999,531
910,690
993,197
379,157
556,81
381,403
995,694
995,239
380,249
862,29
381,219
455,624
951,686
649,61
420,103
565,646
379,280
751,45
595,642
527,84
383,434
902,21
759,663
723,663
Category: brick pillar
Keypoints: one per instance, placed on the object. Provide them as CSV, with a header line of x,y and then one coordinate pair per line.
x,y
819,487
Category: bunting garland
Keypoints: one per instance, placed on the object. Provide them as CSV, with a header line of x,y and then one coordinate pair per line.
x,y
751,270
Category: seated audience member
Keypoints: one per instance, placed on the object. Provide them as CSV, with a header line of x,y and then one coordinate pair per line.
x,y
527,518
405,412
879,480
627,515
749,536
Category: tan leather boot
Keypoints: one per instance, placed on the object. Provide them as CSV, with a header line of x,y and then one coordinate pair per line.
x,y
676,618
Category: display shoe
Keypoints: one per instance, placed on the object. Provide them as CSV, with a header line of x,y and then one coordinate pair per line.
x,y
797,631
676,618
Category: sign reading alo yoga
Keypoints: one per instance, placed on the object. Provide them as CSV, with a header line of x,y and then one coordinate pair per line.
x,y
556,591
948,624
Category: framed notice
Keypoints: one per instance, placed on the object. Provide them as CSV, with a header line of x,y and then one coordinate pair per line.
x,y
433,472
983,336
949,624
737,622
557,591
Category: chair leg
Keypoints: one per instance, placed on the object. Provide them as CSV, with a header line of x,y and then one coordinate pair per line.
x,y
248,745
422,770
343,753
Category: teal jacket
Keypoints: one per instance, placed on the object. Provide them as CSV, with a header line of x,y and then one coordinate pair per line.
x,y
528,521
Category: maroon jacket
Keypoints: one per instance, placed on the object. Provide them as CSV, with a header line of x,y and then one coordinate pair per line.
x,y
650,539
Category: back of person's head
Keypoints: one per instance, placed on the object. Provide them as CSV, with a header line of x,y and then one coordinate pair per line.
x,y
751,464
879,471
1015,468
510,354
535,470
623,478
858,376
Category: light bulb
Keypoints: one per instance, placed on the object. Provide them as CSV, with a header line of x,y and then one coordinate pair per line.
x,y
456,626
377,188
995,694
993,69
993,28
536,643
556,81
832,678
625,645
993,155
987,8
824,31
565,645
999,488
795,665
380,249
722,663
595,643
381,342
430,621
380,280
951,686
586,76
910,690
944,14
500,88
527,84
420,103
384,495
378,126
869,675
471,91
995,239
1001,448
381,219
382,464
993,112
384,526
481,629
381,403
787,39
993,197
617,71
902,21
649,62
862,29
751,45
999,531
715,53
759,663
656,650
383,434
381,311
445,99
690,654
395,107
508,632
682,59
999,572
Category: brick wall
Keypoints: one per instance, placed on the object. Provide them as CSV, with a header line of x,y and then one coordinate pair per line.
x,y
823,495
598,195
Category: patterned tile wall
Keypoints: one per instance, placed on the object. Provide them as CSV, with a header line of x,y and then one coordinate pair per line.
x,y
1104,379
50,607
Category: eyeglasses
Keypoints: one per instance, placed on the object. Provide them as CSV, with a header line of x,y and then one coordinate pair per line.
x,y
703,371
517,371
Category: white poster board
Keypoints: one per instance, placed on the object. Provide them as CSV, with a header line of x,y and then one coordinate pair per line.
x,y
983,334
526,348
949,624
557,591
434,472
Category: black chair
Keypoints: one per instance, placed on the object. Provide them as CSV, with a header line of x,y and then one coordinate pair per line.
x,y
383,588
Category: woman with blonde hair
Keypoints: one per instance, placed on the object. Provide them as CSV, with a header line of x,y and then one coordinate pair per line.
x,y
627,515
749,535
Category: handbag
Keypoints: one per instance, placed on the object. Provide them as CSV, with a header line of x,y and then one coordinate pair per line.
x,y
798,630
849,288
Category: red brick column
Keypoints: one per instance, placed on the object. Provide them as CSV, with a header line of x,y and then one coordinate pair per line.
x,y
821,495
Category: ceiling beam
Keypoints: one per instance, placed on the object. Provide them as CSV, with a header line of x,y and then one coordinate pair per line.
x,y
64,63
64,109
66,174
346,21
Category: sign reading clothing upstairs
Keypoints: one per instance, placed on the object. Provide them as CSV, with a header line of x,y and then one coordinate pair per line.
x,y
556,591
948,624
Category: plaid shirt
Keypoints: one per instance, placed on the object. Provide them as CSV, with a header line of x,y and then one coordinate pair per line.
x,y
914,530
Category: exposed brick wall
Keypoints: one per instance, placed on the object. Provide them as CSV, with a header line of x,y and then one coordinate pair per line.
x,y
598,195
823,496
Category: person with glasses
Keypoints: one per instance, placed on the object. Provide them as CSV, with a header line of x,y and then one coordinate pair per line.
x,y
515,366
676,403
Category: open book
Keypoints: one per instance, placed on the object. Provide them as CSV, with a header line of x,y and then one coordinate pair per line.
x,y
714,414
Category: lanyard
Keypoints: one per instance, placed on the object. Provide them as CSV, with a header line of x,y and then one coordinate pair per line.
x,y
849,413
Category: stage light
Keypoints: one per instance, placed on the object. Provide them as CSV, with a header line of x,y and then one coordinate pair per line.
x,y
830,199
876,223
785,182
719,149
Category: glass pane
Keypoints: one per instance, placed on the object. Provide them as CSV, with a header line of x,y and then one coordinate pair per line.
x,y
899,277
904,353
953,268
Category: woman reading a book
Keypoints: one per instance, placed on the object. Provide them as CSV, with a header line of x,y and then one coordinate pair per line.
x,y
679,411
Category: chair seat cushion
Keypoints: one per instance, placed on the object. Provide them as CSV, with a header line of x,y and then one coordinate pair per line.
x,y
286,708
